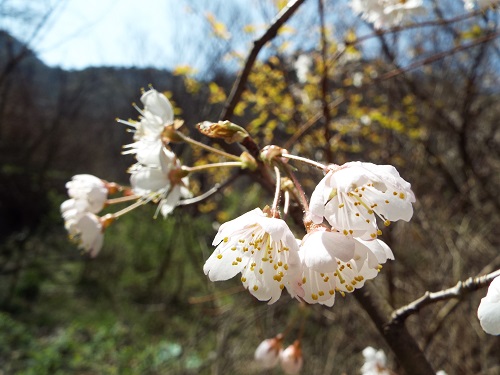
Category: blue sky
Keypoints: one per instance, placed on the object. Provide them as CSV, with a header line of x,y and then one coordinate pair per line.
x,y
151,33
83,33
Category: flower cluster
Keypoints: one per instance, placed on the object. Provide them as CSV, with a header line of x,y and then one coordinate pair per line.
x,y
270,352
387,13
337,256
375,362
88,195
157,176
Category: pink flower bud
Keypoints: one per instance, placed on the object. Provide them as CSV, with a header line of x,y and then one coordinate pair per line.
x,y
268,351
291,359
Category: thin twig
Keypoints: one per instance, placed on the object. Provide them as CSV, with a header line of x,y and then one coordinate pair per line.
x,y
324,83
437,56
458,291
271,32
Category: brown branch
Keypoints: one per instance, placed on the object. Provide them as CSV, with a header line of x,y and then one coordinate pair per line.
x,y
324,83
461,289
271,32
401,342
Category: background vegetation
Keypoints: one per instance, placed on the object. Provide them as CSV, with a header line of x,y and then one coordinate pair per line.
x,y
422,99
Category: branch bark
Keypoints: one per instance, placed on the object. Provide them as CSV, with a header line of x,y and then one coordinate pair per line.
x,y
461,289
407,352
271,32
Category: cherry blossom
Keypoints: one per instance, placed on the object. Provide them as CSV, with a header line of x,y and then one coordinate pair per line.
x,y
481,4
489,309
352,195
291,359
90,189
375,362
387,13
333,262
84,228
263,249
267,353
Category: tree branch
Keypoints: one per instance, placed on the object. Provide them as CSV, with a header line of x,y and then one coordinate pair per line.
x,y
461,289
401,342
272,31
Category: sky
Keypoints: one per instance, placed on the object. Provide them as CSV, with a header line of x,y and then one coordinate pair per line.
x,y
82,33
148,33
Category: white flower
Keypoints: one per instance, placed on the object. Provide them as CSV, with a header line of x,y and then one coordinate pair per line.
x,y
157,113
267,353
481,4
333,262
263,249
375,362
489,309
291,359
382,13
302,67
85,229
158,104
88,188
350,196
157,180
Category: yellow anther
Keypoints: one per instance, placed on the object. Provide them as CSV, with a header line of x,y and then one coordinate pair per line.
x,y
304,280
349,288
261,271
321,293
332,292
275,266
234,263
225,239
285,267
345,232
387,223
341,205
314,296
233,248
243,279
379,232
401,195
219,256
238,259
255,288
282,286
280,263
326,279
373,235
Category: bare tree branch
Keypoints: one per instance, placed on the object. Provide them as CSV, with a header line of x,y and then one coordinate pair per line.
x,y
271,32
402,343
461,289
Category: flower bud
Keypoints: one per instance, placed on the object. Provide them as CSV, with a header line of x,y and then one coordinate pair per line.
x,y
268,153
248,161
268,351
291,359
225,130
170,132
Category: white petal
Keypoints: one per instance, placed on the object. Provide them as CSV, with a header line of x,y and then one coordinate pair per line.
x,y
489,309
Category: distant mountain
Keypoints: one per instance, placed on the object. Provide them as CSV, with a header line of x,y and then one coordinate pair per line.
x,y
56,123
